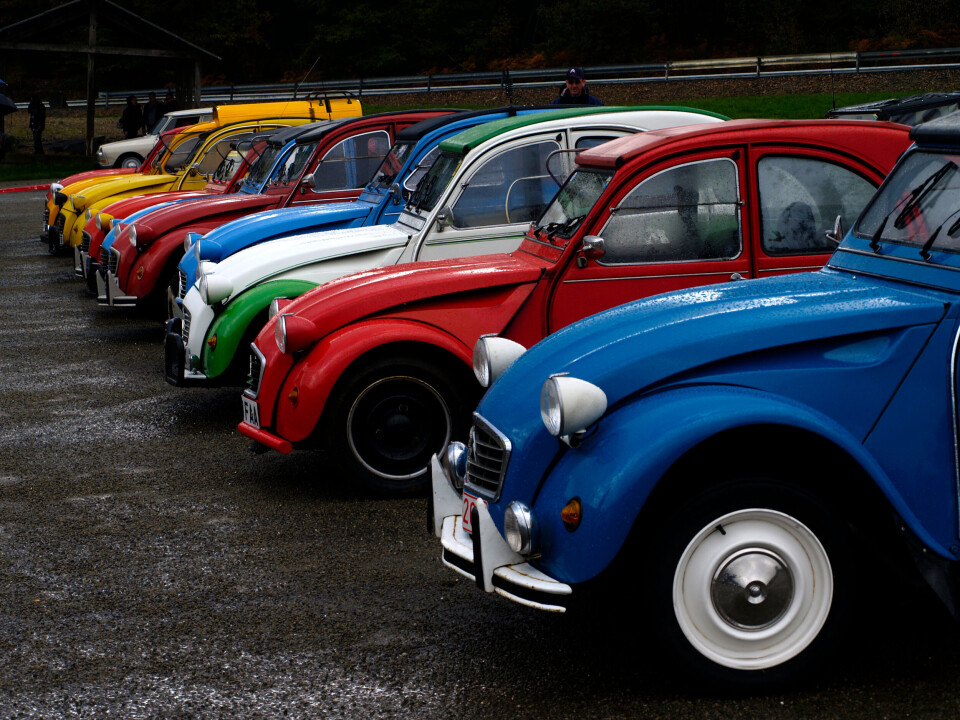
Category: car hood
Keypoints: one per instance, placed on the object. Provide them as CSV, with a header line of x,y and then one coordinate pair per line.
x,y
260,262
173,216
127,206
687,336
340,302
96,175
116,186
273,224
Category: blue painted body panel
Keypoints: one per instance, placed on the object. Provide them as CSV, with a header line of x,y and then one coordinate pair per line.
x,y
862,353
374,207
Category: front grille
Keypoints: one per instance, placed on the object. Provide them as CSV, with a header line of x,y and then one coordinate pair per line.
x,y
185,330
257,363
113,261
104,257
60,222
183,284
85,241
487,458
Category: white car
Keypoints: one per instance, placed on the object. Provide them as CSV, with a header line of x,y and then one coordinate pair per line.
x,y
130,153
479,196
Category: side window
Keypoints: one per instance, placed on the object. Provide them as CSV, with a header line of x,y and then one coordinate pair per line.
x,y
511,187
689,212
351,163
218,152
181,154
290,168
585,143
801,197
183,120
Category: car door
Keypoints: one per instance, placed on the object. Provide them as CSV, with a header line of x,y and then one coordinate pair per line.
x,y
678,224
799,195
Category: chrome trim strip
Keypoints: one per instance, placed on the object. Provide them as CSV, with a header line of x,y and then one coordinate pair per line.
x,y
650,277
854,251
791,269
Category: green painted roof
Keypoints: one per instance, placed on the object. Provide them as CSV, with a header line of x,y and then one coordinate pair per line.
x,y
469,139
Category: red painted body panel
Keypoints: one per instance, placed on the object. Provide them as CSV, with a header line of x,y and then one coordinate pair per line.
x,y
399,303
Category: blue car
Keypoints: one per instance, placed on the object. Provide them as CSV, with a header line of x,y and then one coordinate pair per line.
x,y
729,460
413,153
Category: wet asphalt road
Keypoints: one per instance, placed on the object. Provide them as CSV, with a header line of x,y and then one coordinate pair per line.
x,y
152,567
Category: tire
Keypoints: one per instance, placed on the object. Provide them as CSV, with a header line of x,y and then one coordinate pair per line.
x,y
129,161
753,580
388,419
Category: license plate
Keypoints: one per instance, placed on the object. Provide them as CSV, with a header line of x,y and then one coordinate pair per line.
x,y
251,414
469,503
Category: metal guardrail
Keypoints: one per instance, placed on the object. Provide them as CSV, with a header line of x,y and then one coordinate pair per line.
x,y
841,63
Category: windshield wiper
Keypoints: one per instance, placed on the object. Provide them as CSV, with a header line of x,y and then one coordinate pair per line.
x,y
920,192
423,192
951,232
565,226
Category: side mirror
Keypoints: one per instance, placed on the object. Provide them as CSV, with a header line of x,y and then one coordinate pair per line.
x,y
836,235
445,218
309,181
593,246
195,169
396,193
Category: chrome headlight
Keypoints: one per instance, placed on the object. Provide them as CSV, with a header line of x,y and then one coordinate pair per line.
x,y
88,216
294,333
214,288
453,460
56,187
98,222
274,308
570,405
492,355
280,333
519,528
196,251
189,239
133,235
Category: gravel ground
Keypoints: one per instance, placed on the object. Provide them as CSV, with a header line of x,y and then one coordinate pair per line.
x,y
151,567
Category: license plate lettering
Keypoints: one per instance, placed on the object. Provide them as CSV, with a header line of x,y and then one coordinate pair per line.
x,y
469,503
251,414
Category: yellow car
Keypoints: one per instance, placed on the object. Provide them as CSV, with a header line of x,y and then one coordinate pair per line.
x,y
193,155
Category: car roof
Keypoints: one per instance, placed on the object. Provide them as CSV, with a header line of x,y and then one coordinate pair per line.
x,y
319,131
425,127
617,152
942,131
286,134
469,139
194,111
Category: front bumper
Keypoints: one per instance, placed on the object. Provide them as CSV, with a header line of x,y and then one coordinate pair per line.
x,y
484,555
109,292
178,365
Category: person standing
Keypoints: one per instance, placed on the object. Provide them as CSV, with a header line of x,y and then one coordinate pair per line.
x,y
575,90
38,122
170,103
132,118
152,112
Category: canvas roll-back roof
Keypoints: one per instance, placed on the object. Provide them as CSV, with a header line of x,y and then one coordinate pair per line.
x,y
942,131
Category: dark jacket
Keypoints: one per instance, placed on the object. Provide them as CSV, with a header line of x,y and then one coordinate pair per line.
x,y
38,115
585,98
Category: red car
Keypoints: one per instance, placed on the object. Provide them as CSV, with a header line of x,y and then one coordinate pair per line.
x,y
329,164
377,366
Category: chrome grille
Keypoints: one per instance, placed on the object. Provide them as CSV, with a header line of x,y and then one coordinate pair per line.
x,y
113,261
257,364
104,257
85,241
183,284
185,329
487,459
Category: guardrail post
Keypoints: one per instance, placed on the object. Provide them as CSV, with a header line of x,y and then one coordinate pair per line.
x,y
429,82
759,63
858,62
360,88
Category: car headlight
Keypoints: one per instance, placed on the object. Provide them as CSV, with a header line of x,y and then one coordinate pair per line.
x,y
189,239
98,222
133,235
519,528
196,251
276,305
88,216
453,460
100,153
492,355
56,187
60,198
214,288
569,405
294,333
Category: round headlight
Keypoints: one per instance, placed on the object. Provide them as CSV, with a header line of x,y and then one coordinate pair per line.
x,y
492,355
569,405
133,235
88,216
280,333
196,251
55,187
519,528
98,222
214,288
189,239
454,463
59,198
275,305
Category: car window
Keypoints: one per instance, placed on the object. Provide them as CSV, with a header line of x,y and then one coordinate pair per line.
x,y
511,187
290,168
352,162
689,212
426,162
217,152
800,199
180,154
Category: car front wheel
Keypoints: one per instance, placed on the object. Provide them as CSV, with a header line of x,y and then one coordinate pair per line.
x,y
754,577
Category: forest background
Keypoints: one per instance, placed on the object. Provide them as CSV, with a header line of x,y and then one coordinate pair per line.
x,y
263,41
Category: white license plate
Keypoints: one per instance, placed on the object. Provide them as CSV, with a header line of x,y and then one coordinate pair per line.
x,y
469,503
251,414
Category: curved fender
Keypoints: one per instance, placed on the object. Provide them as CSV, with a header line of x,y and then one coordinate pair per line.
x,y
231,325
318,372
615,470
153,260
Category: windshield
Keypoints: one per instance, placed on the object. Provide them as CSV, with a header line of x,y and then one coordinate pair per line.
x,y
437,178
392,163
572,203
258,172
916,204
291,166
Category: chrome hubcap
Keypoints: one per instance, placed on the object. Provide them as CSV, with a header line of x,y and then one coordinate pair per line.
x,y
752,589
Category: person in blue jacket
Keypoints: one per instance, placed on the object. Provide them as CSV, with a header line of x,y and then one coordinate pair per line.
x,y
575,91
